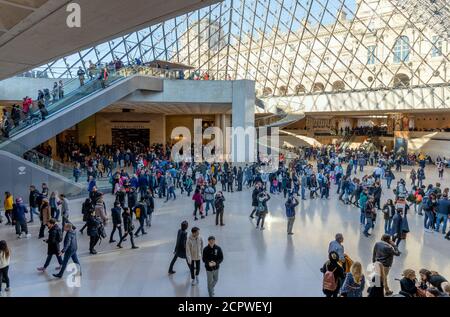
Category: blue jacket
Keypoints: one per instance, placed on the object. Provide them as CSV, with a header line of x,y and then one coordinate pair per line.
x,y
70,242
351,288
443,206
143,181
19,211
290,207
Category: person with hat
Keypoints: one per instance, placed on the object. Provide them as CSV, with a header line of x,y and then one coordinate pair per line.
x,y
180,246
212,257
19,219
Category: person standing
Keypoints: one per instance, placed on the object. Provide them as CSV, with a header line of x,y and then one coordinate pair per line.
x,y
209,198
255,193
150,203
354,282
8,204
290,205
60,90
384,252
69,250
262,208
180,246
5,259
34,202
220,207
128,227
333,274
442,211
198,203
19,219
117,221
55,237
370,214
388,213
337,246
194,247
81,73
212,257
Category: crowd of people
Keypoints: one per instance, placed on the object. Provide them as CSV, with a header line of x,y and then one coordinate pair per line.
x,y
140,175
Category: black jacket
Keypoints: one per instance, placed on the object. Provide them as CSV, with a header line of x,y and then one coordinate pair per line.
x,y
115,215
93,223
34,198
255,197
180,247
212,254
54,239
127,222
408,286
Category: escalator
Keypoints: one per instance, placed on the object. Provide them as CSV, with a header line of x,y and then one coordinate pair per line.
x,y
19,170
76,106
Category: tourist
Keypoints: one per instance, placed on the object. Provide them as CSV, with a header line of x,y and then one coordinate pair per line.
x,y
377,280
94,224
388,213
429,204
116,221
442,212
408,284
69,250
431,279
220,207
5,259
86,209
141,214
81,73
370,215
19,218
209,194
333,274
262,209
212,257
128,228
180,247
194,248
8,204
384,252
337,246
150,204
354,282
44,216
64,209
255,193
55,237
290,205
34,201
198,204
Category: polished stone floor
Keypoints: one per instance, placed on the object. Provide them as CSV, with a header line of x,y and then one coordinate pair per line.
x,y
257,263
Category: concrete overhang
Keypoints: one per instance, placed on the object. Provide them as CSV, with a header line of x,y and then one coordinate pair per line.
x,y
34,32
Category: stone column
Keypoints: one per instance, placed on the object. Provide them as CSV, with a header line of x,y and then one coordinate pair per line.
x,y
243,117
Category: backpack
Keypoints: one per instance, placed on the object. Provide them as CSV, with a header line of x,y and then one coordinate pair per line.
x,y
137,211
329,283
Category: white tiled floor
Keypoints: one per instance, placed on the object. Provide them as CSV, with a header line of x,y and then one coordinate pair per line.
x,y
257,263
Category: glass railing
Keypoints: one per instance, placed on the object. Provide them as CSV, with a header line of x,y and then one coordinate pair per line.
x,y
73,93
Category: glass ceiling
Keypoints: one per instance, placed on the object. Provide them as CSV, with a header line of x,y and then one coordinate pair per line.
x,y
294,47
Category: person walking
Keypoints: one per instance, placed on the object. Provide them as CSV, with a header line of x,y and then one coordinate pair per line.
x,y
290,205
5,259
55,237
141,214
220,207
180,246
255,193
34,201
388,213
44,216
370,214
93,231
117,221
86,210
442,212
384,252
69,250
194,247
128,227
212,257
64,209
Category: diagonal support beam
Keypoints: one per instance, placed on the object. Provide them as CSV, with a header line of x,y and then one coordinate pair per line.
x,y
17,5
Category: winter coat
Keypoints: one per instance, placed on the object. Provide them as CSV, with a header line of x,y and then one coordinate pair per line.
x,y
194,248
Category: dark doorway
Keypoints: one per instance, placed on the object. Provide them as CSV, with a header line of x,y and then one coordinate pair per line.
x,y
126,136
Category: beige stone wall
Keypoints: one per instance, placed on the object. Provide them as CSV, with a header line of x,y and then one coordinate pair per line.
x,y
187,121
101,126
432,121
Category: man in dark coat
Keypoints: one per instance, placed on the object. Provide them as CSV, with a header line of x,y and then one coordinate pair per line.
x,y
93,225
128,227
180,246
69,250
255,194
117,221
55,237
